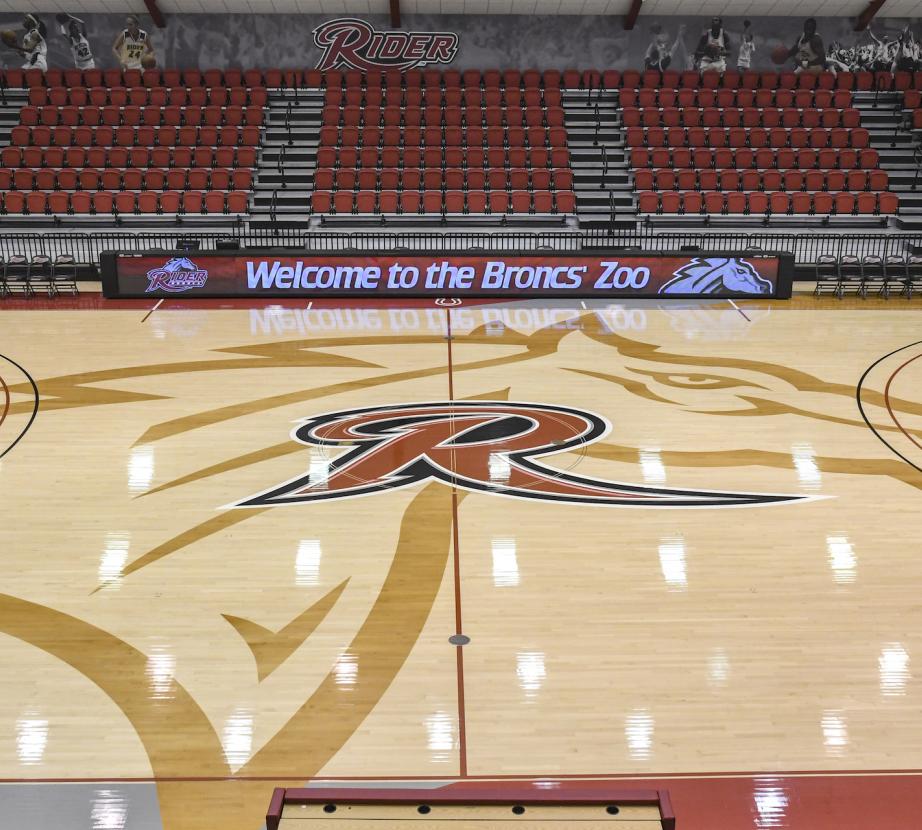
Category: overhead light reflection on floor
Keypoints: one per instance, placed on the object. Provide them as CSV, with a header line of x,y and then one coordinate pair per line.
x,y
651,466
893,665
505,564
140,469
109,811
307,562
638,730
835,733
114,556
531,672
842,559
237,738
672,562
440,731
771,803
31,739
808,473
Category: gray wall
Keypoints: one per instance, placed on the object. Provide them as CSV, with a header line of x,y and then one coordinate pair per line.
x,y
218,41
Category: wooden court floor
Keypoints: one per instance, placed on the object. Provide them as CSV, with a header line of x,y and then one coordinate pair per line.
x,y
666,540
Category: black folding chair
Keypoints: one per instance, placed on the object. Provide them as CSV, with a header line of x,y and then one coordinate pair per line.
x,y
872,271
64,274
40,273
851,272
827,275
895,275
16,275
913,275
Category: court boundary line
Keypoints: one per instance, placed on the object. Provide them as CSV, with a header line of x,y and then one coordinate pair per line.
x,y
35,405
6,400
456,569
624,776
159,303
887,400
864,416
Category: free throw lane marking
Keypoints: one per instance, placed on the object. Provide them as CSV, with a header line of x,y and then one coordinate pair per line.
x,y
159,303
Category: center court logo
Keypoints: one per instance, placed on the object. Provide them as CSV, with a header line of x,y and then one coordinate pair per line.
x,y
179,274
485,446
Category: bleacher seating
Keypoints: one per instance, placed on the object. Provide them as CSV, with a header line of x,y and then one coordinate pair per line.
x,y
752,144
119,144
443,143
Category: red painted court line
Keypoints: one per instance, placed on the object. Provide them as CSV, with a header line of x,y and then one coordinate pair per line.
x,y
887,400
456,566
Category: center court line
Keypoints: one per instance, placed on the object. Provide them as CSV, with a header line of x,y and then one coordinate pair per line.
x,y
739,309
456,568
159,303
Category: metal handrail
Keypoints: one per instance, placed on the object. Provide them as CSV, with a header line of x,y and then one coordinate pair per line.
x,y
604,167
280,165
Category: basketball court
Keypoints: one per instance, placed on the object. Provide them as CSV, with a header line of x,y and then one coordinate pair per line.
x,y
651,545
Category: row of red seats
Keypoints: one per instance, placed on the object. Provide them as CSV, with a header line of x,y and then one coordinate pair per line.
x,y
754,137
415,157
30,78
498,202
100,157
751,79
124,203
549,79
152,178
469,97
140,96
790,180
443,179
436,79
759,203
742,158
151,116
134,136
736,117
436,116
702,97
447,137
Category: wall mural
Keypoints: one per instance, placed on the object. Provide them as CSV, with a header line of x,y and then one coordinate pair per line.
x,y
462,41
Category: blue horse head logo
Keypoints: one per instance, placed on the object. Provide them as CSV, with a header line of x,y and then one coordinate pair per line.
x,y
717,275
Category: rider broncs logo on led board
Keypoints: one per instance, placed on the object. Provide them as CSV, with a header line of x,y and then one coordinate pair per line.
x,y
179,274
485,446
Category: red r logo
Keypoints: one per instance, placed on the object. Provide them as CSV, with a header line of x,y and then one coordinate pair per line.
x,y
486,446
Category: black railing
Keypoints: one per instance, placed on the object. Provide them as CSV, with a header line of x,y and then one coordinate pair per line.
x,y
806,247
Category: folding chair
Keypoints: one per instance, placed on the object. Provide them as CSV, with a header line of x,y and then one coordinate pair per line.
x,y
896,273
16,275
872,269
851,272
913,275
40,273
827,275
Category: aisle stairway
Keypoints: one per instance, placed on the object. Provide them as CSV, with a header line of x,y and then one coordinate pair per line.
x,y
281,197
900,148
601,181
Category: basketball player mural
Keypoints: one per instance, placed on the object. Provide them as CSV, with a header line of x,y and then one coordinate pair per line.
x,y
713,48
74,29
808,52
660,54
34,48
133,48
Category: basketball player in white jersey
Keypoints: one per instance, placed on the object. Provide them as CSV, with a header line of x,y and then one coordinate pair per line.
x,y
713,48
74,29
747,47
34,48
132,45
